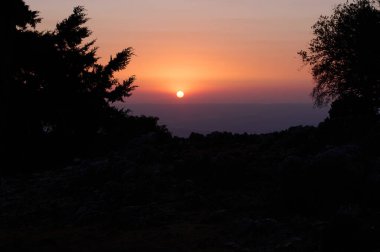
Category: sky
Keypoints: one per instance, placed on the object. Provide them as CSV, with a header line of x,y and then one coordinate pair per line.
x,y
215,51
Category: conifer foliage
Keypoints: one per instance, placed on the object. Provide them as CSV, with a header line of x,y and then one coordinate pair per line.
x,y
58,71
52,86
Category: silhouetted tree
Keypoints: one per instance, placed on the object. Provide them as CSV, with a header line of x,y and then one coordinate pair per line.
x,y
77,87
52,85
15,20
57,75
345,56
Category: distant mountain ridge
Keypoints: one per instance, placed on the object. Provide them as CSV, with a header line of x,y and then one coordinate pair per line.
x,y
182,119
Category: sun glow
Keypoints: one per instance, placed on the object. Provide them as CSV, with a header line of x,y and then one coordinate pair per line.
x,y
180,94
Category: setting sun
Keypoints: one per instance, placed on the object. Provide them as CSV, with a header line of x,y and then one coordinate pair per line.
x,y
180,94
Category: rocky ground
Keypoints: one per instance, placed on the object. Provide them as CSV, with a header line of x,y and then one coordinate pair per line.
x,y
275,192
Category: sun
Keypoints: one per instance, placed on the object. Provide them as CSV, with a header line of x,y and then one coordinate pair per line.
x,y
180,94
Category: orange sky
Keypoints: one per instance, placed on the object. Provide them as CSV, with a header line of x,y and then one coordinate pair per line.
x,y
213,50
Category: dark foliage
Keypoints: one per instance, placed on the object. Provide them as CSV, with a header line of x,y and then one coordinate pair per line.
x,y
350,120
301,189
345,55
57,97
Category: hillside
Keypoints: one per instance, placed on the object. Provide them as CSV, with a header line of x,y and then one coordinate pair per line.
x,y
286,191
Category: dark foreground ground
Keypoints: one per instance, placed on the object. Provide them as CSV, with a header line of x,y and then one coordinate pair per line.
x,y
286,191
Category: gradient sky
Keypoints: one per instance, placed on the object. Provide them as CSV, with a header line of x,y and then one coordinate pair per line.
x,y
213,50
